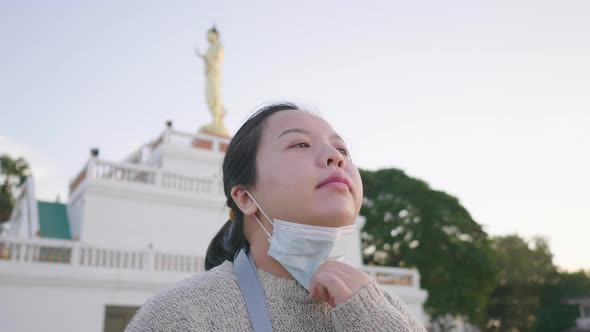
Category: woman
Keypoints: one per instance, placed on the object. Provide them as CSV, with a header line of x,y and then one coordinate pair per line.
x,y
293,194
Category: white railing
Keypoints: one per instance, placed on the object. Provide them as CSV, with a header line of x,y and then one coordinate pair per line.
x,y
146,175
393,276
122,172
131,170
73,253
187,183
180,263
27,251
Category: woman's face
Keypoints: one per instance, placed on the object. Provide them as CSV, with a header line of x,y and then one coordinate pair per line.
x,y
304,172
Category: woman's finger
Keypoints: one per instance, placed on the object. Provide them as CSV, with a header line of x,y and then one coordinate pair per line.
x,y
324,295
338,272
345,267
338,281
358,277
336,287
313,292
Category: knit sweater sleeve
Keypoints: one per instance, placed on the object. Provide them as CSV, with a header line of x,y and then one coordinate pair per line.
x,y
372,309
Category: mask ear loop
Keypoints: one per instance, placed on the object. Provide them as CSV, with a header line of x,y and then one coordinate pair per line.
x,y
264,229
264,214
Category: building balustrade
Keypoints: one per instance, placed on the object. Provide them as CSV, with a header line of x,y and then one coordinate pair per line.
x,y
43,251
74,253
139,174
132,171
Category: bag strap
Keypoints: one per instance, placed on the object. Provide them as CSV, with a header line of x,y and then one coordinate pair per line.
x,y
252,291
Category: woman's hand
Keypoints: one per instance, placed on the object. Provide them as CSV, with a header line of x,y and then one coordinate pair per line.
x,y
335,282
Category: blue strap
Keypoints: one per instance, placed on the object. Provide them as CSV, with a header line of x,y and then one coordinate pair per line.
x,y
252,291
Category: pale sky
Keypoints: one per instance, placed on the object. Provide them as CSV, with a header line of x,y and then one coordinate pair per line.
x,y
488,101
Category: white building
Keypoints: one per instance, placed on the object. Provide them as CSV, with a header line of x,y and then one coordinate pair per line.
x,y
582,322
129,229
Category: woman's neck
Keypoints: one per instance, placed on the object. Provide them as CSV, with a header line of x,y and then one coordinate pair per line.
x,y
258,248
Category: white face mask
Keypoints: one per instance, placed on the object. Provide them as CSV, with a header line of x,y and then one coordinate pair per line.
x,y
301,248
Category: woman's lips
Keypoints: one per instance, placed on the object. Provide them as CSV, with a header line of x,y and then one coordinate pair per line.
x,y
336,181
336,185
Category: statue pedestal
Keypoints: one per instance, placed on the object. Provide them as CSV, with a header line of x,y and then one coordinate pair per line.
x,y
205,144
213,143
215,129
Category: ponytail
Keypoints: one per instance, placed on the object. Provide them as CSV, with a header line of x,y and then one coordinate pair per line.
x,y
227,242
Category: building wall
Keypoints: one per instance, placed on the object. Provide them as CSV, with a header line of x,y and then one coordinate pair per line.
x,y
60,297
119,215
75,210
24,221
50,297
191,162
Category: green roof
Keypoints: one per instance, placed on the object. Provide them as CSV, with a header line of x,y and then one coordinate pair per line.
x,y
53,220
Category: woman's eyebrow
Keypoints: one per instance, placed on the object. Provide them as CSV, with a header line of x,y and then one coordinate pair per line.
x,y
305,132
336,136
293,130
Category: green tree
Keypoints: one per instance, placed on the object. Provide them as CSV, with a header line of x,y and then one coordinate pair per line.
x,y
553,313
13,173
409,224
525,268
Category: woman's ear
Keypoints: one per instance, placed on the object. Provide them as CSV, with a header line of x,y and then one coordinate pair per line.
x,y
243,200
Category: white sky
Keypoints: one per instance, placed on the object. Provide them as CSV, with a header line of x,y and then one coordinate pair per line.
x,y
489,102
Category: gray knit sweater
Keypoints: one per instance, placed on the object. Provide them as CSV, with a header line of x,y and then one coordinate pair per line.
x,y
212,301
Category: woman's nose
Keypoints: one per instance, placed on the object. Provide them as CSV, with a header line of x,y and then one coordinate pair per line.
x,y
335,158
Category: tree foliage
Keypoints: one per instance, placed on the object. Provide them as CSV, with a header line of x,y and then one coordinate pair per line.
x,y
13,173
525,269
553,313
409,224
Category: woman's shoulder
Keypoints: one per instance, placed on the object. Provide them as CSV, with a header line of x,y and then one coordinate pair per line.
x,y
216,280
184,304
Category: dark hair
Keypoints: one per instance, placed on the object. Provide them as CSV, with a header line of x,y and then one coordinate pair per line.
x,y
239,168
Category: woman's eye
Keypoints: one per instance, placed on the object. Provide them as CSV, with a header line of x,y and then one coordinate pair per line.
x,y
301,145
344,151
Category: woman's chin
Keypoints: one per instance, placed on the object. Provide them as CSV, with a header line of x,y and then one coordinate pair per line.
x,y
336,217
